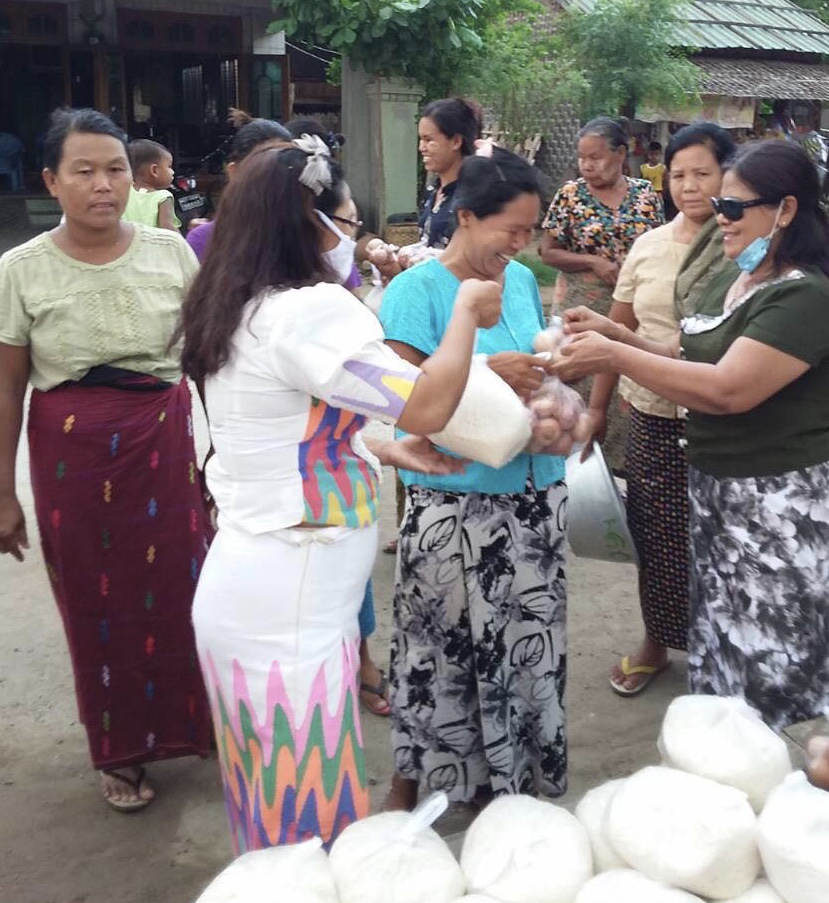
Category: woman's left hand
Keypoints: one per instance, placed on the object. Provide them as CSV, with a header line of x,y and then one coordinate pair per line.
x,y
419,454
585,354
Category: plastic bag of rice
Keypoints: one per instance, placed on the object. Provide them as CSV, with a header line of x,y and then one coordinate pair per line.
x,y
685,831
524,850
761,892
390,857
591,812
491,424
793,833
299,873
628,886
725,739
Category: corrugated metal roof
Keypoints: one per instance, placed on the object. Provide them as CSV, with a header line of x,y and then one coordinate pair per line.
x,y
766,79
771,25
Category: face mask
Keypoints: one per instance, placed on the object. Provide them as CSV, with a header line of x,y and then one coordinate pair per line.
x,y
341,257
752,256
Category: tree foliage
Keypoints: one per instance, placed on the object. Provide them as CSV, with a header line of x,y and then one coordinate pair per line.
x,y
624,50
426,40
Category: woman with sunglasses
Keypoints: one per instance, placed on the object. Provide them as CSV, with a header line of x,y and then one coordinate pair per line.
x,y
752,367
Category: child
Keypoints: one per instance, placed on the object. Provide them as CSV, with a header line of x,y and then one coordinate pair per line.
x,y
152,173
654,169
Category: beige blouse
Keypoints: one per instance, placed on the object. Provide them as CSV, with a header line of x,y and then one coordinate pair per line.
x,y
75,316
647,282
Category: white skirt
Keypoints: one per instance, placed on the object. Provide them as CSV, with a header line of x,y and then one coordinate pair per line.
x,y
275,617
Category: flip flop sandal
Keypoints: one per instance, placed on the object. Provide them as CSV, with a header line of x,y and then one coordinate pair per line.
x,y
377,703
390,547
649,672
135,784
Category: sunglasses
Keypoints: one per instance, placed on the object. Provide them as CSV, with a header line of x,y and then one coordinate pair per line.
x,y
354,223
733,209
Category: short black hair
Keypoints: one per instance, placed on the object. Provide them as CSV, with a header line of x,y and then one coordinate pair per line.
x,y
487,184
707,134
254,132
655,146
144,152
64,121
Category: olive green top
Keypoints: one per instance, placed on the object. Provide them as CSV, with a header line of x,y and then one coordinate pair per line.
x,y
75,316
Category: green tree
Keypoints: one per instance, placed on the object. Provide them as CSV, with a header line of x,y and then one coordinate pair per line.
x,y
625,52
426,40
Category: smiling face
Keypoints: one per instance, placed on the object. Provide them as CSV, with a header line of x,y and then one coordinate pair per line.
x,y
440,153
491,242
93,180
599,164
695,178
756,222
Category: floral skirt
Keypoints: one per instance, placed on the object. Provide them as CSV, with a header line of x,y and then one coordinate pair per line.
x,y
478,645
760,591
657,510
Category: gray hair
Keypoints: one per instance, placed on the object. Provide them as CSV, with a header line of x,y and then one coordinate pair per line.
x,y
610,129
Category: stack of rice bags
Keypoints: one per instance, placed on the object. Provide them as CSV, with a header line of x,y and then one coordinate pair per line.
x,y
722,819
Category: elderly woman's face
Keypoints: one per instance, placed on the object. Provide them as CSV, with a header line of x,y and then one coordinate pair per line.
x,y
599,164
695,178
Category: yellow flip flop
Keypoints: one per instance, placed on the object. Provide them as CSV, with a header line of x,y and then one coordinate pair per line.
x,y
650,672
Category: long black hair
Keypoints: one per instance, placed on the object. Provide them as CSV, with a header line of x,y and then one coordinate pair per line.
x,y
65,121
266,236
776,169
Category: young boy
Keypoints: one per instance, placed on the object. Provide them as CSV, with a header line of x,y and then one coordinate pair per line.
x,y
152,174
654,169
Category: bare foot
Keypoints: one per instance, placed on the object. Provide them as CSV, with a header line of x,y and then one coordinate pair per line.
x,y
374,691
126,789
402,795
818,767
649,655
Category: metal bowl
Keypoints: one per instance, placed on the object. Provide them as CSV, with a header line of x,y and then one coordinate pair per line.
x,y
596,520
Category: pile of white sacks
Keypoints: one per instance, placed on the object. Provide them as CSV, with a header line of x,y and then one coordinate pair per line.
x,y
724,818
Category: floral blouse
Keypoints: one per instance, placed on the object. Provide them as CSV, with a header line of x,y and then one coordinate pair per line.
x,y
584,225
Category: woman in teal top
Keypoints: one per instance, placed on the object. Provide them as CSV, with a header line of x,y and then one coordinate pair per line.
x,y
478,657
755,377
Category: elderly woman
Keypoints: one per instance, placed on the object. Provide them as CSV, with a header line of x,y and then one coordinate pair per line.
x,y
293,364
86,316
753,370
589,229
657,479
478,643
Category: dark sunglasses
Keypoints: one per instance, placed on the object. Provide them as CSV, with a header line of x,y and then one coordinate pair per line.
x,y
733,209
354,223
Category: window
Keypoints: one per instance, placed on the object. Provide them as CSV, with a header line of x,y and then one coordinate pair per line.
x,y
220,36
181,33
42,27
140,30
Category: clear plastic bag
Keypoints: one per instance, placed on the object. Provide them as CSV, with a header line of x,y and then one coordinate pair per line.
x,y
559,419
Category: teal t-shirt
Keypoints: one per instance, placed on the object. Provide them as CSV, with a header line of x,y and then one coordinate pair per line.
x,y
790,430
416,309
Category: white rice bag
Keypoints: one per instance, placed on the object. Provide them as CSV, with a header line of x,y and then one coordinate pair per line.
x,y
686,831
627,886
299,873
725,739
378,860
761,892
793,833
524,850
491,424
476,898
591,812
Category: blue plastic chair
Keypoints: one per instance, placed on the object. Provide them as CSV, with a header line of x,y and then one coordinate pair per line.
x,y
11,159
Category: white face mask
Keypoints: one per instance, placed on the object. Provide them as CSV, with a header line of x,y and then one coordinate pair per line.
x,y
341,257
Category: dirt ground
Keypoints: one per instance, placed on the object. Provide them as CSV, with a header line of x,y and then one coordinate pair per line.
x,y
60,843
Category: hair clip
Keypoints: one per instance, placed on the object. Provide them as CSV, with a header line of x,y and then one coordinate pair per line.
x,y
316,174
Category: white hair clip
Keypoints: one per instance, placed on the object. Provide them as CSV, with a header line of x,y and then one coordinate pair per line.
x,y
316,174
484,146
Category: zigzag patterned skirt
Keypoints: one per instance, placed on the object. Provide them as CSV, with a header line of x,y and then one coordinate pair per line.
x,y
277,636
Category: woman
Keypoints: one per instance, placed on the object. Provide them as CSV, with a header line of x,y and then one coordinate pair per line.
x,y
589,229
755,376
86,315
657,479
478,657
250,134
293,364
447,132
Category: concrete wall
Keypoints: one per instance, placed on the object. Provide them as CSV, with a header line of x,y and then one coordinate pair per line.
x,y
379,117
